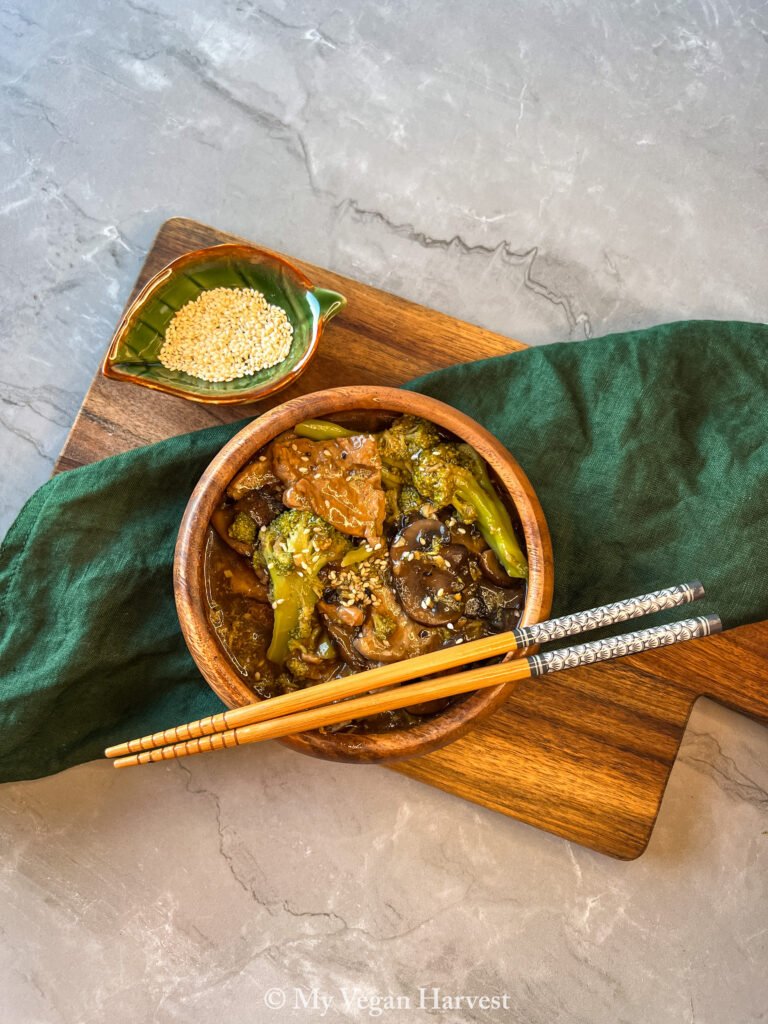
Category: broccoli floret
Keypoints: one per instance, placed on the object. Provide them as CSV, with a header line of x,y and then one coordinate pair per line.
x,y
243,528
295,547
453,474
400,444
409,499
383,627
413,455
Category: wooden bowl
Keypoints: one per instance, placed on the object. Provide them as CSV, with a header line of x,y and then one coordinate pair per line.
x,y
339,404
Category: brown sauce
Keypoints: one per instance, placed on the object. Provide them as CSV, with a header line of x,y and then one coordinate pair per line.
x,y
432,582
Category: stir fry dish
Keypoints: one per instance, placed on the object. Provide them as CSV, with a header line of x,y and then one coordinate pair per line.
x,y
336,550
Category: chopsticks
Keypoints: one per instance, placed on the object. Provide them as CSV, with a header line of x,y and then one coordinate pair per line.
x,y
433,689
307,709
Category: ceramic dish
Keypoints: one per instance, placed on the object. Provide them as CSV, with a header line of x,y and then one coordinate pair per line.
x,y
133,354
340,405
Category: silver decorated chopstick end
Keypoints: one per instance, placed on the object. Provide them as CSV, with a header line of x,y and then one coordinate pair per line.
x,y
608,614
626,643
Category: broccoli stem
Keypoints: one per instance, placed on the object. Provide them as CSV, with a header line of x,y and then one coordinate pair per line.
x,y
322,430
495,525
292,597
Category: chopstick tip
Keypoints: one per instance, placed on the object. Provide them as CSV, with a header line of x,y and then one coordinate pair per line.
x,y
125,762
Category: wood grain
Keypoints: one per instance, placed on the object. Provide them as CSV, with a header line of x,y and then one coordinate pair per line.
x,y
585,754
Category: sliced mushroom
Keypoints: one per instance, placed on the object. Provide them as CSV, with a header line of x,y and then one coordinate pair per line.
x,y
501,607
430,573
318,660
239,576
243,580
494,570
345,615
261,506
342,628
388,634
468,535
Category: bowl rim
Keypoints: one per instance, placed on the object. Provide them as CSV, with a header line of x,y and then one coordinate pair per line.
x,y
189,586
223,250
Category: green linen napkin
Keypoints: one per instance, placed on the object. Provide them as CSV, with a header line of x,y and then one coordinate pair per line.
x,y
648,450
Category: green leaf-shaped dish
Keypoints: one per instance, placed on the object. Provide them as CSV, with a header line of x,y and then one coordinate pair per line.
x,y
133,354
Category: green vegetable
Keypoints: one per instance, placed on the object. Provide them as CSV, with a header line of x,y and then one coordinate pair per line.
x,y
322,430
409,499
383,626
451,474
355,555
295,547
400,443
243,528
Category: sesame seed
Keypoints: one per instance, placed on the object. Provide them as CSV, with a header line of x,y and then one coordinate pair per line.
x,y
226,333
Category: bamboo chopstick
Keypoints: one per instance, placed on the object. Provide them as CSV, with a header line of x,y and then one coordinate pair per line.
x,y
424,665
431,689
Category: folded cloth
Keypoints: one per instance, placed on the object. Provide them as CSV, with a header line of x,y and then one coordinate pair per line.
x,y
648,450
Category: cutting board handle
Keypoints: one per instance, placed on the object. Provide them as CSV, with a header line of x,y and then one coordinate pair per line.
x,y
738,673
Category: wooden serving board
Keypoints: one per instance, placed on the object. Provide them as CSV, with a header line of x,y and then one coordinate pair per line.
x,y
586,754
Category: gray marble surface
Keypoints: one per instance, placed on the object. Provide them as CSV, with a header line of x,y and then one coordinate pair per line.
x,y
553,171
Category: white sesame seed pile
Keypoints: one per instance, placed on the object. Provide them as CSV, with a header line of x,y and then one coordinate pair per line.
x,y
226,333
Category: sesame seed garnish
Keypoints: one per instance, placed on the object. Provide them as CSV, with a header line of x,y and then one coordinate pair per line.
x,y
226,333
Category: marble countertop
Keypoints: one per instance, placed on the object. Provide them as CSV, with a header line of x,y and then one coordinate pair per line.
x,y
553,171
